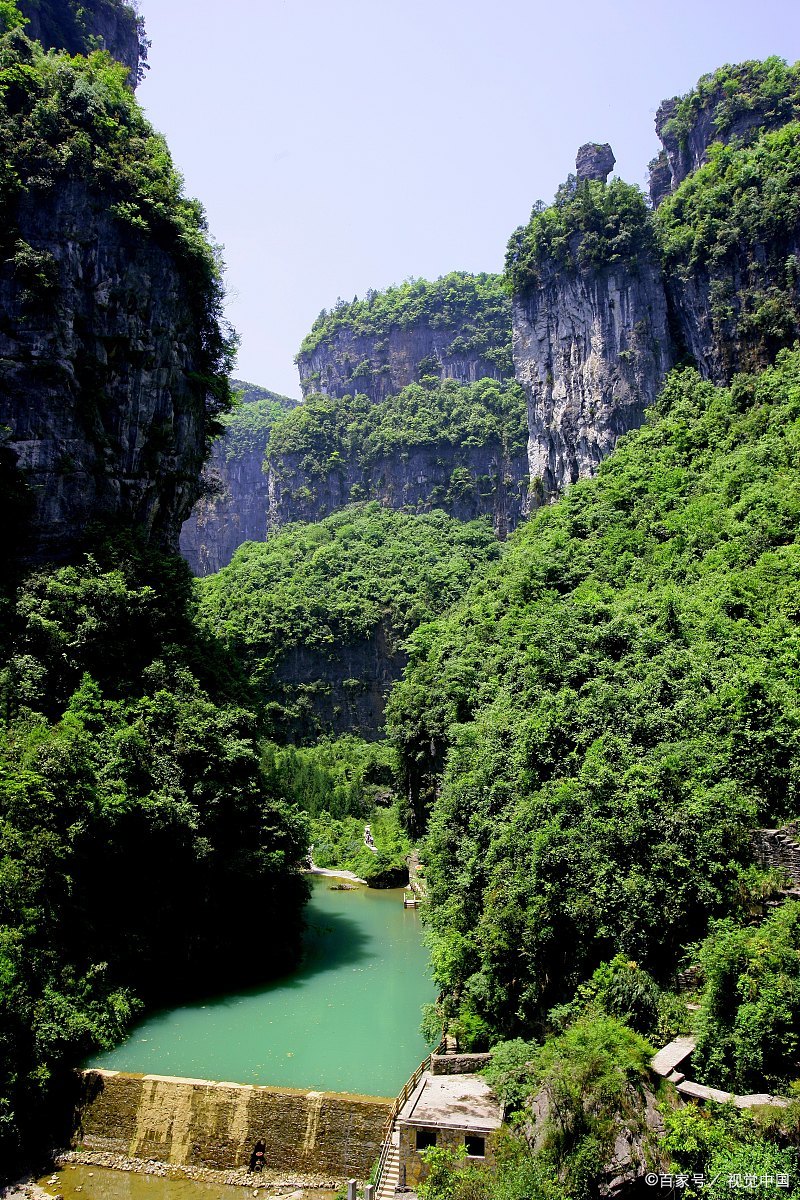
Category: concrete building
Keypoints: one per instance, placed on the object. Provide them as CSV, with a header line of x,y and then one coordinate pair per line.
x,y
446,1110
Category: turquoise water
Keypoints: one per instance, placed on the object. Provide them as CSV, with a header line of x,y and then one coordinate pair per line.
x,y
347,1020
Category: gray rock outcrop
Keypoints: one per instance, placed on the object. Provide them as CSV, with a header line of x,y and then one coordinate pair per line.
x,y
591,349
234,503
594,161
97,375
378,367
80,27
466,481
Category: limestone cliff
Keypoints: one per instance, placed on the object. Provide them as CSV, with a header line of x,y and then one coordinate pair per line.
x,y
95,375
457,447
112,356
458,327
735,103
591,351
91,24
233,506
465,481
591,339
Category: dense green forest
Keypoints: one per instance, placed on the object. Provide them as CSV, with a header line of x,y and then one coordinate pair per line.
x,y
331,589
137,822
330,433
614,707
477,305
590,735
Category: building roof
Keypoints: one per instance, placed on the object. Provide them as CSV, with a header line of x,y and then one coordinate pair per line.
x,y
452,1102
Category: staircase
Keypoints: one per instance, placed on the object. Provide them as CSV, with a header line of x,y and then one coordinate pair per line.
x,y
387,1178
390,1175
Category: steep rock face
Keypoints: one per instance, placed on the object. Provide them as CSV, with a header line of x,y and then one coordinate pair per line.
x,y
456,327
232,509
465,481
731,250
80,27
233,504
340,691
106,423
735,103
591,350
381,366
737,314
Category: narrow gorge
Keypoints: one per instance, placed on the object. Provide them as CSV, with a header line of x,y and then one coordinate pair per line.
x,y
493,633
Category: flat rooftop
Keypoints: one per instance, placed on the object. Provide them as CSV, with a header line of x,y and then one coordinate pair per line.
x,y
452,1102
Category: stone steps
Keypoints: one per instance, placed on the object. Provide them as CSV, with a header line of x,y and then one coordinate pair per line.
x,y
391,1171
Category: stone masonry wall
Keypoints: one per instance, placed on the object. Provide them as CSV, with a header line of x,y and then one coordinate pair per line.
x,y
416,1170
192,1122
779,848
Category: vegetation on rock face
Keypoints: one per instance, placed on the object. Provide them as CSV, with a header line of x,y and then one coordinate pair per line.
x,y
749,1020
329,433
736,218
768,92
597,725
74,120
590,225
68,24
476,305
363,573
247,427
137,824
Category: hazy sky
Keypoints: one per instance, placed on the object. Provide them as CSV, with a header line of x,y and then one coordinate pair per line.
x,y
351,144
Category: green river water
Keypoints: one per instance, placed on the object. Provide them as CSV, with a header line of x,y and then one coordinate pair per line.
x,y
347,1020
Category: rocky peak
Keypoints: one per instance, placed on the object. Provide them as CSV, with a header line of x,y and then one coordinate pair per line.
x,y
594,161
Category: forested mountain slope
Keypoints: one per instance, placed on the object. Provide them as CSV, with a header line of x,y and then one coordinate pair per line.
x,y
319,613
592,732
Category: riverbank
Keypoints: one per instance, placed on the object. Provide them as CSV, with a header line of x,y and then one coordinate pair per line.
x,y
315,870
92,1173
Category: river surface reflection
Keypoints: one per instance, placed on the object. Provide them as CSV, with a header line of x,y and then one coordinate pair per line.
x,y
347,1020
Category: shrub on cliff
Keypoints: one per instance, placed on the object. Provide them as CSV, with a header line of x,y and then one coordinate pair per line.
x,y
476,305
451,415
590,224
768,91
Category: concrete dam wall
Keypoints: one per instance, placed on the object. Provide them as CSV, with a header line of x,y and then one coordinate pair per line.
x,y
198,1123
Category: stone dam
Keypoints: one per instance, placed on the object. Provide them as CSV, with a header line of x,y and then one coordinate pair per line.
x,y
200,1123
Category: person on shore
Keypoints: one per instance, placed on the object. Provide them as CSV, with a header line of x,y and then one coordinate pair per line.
x,y
257,1157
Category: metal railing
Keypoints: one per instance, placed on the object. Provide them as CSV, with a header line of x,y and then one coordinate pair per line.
x,y
394,1111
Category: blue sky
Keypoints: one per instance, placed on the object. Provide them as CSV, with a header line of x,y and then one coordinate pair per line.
x,y
352,144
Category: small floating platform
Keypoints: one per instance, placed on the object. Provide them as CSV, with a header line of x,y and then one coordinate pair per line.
x,y
410,900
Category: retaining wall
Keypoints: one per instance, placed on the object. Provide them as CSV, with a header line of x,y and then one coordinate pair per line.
x,y
195,1122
